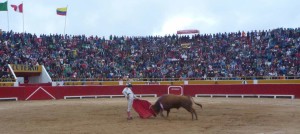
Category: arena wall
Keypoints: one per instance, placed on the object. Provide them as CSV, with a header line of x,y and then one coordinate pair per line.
x,y
59,92
274,89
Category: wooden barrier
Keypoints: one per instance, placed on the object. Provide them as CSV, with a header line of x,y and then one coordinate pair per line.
x,y
246,95
9,99
107,96
59,92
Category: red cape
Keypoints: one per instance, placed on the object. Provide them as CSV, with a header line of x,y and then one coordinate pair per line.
x,y
142,107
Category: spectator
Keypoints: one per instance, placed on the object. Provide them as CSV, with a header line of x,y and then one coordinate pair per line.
x,y
228,55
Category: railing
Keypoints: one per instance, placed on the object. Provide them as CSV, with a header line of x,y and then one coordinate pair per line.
x,y
181,79
168,79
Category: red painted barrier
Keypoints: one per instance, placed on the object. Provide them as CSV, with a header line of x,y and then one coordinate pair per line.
x,y
58,92
177,90
274,89
8,92
40,93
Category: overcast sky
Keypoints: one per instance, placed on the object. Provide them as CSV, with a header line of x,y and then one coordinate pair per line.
x,y
151,17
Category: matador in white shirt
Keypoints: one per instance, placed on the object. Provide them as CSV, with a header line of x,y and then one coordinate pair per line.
x,y
130,97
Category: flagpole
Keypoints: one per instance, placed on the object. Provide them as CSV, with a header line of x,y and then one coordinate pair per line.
x,y
23,15
7,21
65,21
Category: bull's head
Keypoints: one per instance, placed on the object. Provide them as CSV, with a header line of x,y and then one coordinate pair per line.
x,y
155,109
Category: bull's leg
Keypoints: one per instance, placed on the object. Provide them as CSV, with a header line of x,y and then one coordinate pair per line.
x,y
161,113
168,111
192,111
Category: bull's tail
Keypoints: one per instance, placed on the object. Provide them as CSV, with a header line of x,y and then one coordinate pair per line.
x,y
196,102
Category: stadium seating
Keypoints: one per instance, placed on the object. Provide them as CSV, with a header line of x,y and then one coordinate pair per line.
x,y
255,54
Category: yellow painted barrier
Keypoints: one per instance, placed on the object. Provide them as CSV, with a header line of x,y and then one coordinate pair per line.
x,y
6,84
279,81
18,68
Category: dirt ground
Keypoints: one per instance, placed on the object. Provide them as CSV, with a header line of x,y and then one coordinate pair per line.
x,y
108,116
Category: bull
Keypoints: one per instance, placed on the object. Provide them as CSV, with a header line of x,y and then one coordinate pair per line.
x,y
167,102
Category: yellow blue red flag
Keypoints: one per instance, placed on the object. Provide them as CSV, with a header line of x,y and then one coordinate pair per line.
x,y
61,11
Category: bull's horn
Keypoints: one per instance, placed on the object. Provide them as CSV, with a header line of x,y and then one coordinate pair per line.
x,y
150,106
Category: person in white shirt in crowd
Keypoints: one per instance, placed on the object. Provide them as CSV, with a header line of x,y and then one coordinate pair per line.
x,y
130,97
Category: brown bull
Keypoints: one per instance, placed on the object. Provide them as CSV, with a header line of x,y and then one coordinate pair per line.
x,y
167,102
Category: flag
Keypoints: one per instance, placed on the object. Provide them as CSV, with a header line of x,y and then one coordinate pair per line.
x,y
3,6
18,8
61,11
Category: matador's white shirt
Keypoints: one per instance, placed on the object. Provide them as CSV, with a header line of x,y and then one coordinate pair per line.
x,y
128,92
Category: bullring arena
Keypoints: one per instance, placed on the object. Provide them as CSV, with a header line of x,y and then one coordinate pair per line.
x,y
229,106
79,89
108,115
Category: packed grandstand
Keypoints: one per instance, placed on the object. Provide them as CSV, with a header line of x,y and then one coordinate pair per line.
x,y
237,55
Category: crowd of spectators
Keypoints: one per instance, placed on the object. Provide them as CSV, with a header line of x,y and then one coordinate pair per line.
x,y
234,55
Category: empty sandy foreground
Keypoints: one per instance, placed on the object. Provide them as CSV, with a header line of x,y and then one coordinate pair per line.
x,y
108,116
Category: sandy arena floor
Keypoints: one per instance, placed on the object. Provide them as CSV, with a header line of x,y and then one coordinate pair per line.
x,y
108,116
